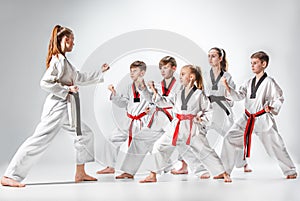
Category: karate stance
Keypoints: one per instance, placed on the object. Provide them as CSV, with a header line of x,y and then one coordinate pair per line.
x,y
60,111
187,131
222,115
160,118
136,108
263,99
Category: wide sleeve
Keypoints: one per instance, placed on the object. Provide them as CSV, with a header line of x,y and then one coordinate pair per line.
x,y
237,95
50,80
164,101
205,112
146,94
232,86
87,78
276,97
120,99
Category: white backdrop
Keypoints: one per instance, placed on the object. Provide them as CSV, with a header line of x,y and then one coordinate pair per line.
x,y
240,27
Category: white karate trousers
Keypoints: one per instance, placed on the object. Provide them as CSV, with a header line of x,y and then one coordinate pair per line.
x,y
271,140
52,121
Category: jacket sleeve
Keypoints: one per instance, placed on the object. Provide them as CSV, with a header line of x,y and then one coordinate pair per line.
x,y
50,83
88,78
276,98
237,95
206,110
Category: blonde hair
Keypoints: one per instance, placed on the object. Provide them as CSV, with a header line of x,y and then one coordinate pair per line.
x,y
54,47
196,70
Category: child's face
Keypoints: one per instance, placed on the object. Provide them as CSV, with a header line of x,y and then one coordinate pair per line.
x,y
135,73
257,65
167,71
213,58
185,76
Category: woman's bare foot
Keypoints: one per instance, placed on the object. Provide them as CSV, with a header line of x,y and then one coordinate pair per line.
x,y
84,177
125,176
205,176
107,170
182,170
149,179
292,176
81,175
6,181
246,168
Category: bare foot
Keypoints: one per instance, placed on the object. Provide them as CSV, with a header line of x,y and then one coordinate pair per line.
x,y
84,177
224,176
205,176
149,179
125,176
227,178
180,171
107,170
220,176
6,181
247,169
292,176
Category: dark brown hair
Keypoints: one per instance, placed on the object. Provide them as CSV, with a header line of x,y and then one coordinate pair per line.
x,y
222,53
261,55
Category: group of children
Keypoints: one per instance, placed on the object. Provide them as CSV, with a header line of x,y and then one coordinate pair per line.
x,y
174,115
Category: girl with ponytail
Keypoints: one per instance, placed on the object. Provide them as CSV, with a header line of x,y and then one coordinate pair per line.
x,y
61,111
222,118
187,131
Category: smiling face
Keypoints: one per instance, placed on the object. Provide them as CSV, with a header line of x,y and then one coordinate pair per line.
x,y
167,70
257,65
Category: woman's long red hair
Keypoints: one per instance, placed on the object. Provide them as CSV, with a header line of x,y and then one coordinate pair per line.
x,y
54,47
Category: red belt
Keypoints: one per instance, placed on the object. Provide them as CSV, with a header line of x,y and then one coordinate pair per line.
x,y
183,117
137,117
164,110
249,130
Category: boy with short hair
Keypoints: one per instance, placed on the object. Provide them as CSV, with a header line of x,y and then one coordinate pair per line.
x,y
263,99
160,117
136,108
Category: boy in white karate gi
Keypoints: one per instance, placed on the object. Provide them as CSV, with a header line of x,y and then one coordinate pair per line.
x,y
263,99
159,119
136,107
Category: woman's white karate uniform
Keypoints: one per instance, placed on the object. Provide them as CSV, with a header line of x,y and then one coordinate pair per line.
x,y
144,141
58,112
268,94
221,122
199,148
123,99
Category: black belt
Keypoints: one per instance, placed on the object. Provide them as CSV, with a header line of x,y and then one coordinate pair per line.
x,y
218,99
77,105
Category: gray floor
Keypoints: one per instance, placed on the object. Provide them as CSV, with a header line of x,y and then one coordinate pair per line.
x,y
54,182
